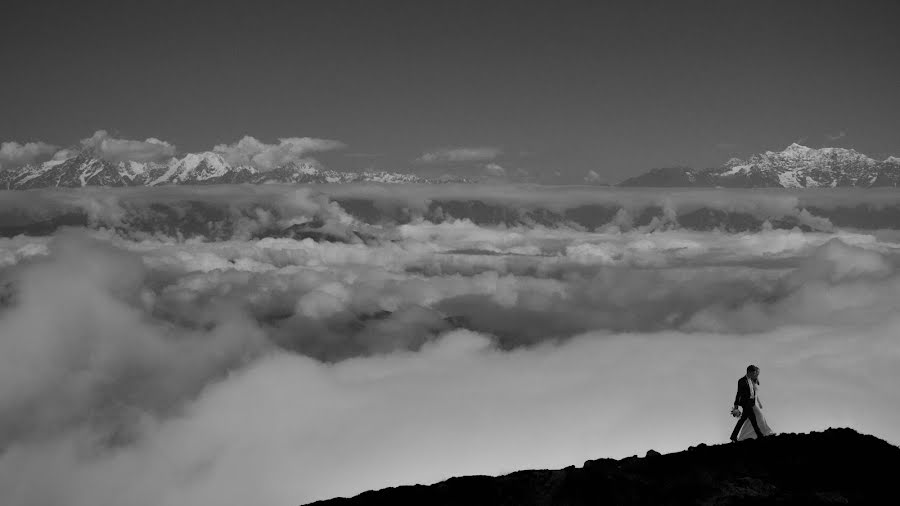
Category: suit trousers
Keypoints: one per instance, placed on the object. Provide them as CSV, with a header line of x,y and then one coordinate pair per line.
x,y
747,413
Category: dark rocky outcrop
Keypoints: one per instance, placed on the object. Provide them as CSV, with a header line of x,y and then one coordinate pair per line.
x,y
837,466
667,177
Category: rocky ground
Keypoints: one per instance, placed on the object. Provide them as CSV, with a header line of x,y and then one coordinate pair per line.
x,y
837,466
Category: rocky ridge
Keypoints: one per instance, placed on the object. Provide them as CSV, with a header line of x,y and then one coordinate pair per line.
x,y
837,466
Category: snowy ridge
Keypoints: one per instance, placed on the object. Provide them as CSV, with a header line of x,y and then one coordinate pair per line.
x,y
796,166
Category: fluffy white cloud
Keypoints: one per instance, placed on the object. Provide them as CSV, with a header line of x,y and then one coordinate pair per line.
x,y
13,154
65,154
461,154
592,177
118,150
150,369
495,170
251,151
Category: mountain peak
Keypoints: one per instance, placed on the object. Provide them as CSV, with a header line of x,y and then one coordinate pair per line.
x,y
793,150
190,161
303,167
733,161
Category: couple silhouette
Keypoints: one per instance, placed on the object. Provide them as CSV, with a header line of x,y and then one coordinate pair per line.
x,y
752,423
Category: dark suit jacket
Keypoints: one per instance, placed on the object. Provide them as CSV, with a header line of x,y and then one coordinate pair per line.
x,y
743,393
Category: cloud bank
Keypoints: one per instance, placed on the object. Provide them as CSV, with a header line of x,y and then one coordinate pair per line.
x,y
160,369
360,213
13,154
461,154
251,151
119,150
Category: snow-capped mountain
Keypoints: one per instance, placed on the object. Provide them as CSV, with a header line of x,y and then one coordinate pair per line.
x,y
193,168
87,169
81,170
796,167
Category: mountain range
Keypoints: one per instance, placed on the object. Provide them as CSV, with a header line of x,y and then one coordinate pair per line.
x,y
88,169
796,166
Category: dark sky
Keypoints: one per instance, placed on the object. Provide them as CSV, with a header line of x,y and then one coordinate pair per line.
x,y
568,86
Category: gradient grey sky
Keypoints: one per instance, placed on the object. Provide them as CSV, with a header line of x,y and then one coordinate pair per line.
x,y
571,86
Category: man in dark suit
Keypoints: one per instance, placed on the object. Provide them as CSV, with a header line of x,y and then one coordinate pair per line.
x,y
746,399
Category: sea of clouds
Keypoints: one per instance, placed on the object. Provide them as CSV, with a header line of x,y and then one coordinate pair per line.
x,y
275,345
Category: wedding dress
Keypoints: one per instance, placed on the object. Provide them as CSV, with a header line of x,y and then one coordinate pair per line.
x,y
747,431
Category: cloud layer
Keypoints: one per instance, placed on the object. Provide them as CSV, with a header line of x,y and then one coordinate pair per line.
x,y
220,212
142,368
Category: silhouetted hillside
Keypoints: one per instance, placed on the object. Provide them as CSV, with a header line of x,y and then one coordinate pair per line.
x,y
837,466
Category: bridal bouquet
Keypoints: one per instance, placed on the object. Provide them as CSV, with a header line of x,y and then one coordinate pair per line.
x,y
735,412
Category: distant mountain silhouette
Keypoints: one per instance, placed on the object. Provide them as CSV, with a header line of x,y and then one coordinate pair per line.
x,y
837,466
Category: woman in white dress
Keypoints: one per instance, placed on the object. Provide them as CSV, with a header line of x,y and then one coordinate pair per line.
x,y
747,431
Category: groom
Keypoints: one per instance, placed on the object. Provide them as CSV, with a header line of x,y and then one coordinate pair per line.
x,y
746,399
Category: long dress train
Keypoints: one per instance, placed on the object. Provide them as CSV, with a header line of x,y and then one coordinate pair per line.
x,y
747,431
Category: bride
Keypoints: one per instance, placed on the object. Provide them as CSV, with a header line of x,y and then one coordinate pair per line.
x,y
747,431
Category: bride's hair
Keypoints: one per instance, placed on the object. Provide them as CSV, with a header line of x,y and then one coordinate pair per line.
x,y
751,368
